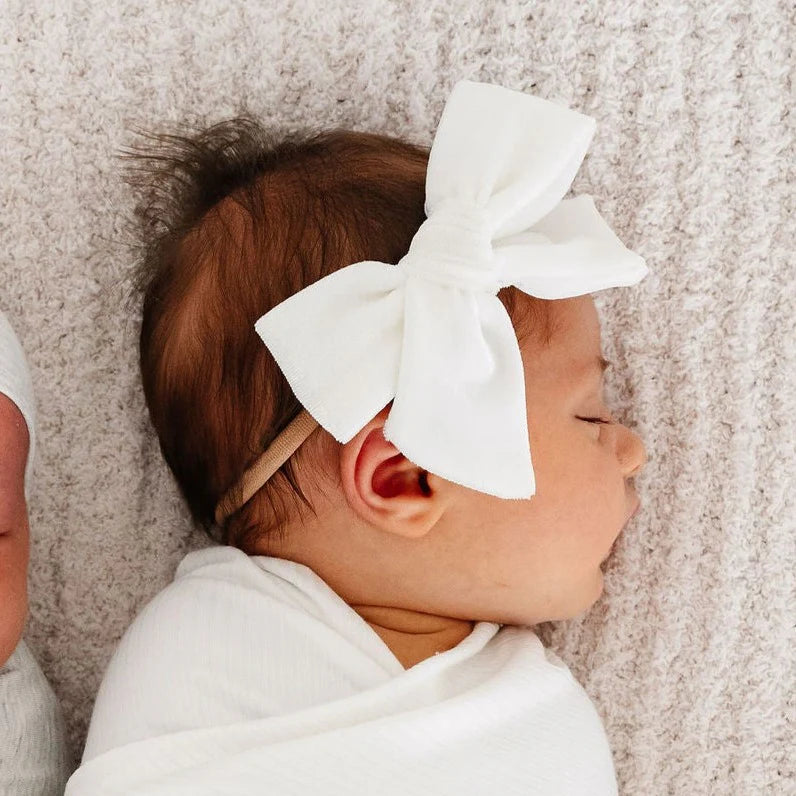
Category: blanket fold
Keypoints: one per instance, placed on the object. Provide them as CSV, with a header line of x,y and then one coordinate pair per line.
x,y
251,675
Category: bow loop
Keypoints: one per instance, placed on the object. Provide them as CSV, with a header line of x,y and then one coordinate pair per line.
x,y
430,333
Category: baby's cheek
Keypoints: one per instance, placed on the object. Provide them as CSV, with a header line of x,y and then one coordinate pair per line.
x,y
13,590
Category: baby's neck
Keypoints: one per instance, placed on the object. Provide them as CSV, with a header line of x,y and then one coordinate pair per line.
x,y
357,577
412,636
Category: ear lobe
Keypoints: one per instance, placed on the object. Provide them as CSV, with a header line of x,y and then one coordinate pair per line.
x,y
384,488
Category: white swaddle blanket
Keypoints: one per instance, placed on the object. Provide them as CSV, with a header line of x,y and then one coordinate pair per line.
x,y
251,675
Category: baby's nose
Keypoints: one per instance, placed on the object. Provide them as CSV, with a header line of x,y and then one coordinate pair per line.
x,y
635,454
643,459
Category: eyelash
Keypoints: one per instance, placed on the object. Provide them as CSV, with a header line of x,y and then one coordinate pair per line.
x,y
595,420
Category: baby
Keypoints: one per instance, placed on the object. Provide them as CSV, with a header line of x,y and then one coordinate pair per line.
x,y
365,625
33,754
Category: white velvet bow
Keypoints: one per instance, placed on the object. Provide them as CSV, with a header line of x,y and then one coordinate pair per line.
x,y
429,332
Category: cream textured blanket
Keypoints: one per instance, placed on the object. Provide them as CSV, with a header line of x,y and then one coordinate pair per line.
x,y
250,675
689,654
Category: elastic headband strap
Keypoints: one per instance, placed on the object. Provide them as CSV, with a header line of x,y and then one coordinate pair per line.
x,y
275,455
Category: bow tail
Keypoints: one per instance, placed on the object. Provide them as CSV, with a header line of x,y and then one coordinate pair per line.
x,y
581,254
459,409
338,344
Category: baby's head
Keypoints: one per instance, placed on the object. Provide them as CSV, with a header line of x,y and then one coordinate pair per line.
x,y
238,221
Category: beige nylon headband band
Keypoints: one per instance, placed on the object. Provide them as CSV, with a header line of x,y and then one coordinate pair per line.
x,y
275,455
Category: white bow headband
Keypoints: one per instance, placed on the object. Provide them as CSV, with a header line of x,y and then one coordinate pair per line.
x,y
430,333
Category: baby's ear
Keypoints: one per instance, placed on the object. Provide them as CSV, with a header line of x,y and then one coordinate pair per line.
x,y
384,488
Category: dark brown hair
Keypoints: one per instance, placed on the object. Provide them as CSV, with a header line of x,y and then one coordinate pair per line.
x,y
232,220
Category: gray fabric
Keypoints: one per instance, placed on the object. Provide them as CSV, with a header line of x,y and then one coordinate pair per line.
x,y
34,760
689,654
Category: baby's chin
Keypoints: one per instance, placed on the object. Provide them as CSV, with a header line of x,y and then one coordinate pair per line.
x,y
591,593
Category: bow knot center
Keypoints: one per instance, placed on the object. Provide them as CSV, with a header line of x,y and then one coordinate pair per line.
x,y
453,246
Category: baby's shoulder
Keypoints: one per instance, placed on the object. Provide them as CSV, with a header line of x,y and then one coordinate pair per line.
x,y
164,657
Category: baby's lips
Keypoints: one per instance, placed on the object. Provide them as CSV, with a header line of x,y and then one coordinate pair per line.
x,y
632,513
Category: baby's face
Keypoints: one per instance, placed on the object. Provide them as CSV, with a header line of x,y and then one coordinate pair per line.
x,y
14,531
539,559
447,551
